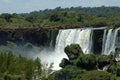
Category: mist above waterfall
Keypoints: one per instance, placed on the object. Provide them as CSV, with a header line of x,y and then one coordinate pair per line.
x,y
48,56
28,50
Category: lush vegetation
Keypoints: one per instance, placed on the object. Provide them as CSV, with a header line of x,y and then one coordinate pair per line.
x,y
87,66
21,68
17,67
63,18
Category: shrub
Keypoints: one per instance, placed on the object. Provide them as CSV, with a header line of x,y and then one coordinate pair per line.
x,y
97,75
64,63
103,60
87,61
68,73
73,51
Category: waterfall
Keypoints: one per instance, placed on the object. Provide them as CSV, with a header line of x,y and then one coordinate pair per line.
x,y
104,40
65,37
83,37
109,41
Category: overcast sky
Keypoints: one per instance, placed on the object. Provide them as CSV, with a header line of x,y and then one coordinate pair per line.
x,y
24,6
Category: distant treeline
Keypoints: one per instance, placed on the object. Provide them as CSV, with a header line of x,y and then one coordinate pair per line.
x,y
64,18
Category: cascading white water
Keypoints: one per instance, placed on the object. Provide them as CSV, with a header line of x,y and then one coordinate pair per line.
x,y
104,40
109,41
83,37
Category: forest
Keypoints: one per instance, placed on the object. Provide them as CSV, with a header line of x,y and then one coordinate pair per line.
x,y
63,18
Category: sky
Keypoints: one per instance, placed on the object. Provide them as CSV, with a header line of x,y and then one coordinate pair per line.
x,y
26,6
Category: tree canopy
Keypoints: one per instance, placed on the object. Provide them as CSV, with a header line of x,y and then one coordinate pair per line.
x,y
63,18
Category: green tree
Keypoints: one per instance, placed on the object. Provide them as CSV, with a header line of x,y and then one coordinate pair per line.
x,y
54,17
30,19
7,17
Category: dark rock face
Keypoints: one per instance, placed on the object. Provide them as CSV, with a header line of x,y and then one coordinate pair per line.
x,y
36,36
97,41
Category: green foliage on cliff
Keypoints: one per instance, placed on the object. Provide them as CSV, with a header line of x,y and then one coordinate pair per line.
x,y
68,73
73,51
76,73
81,66
64,18
98,75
